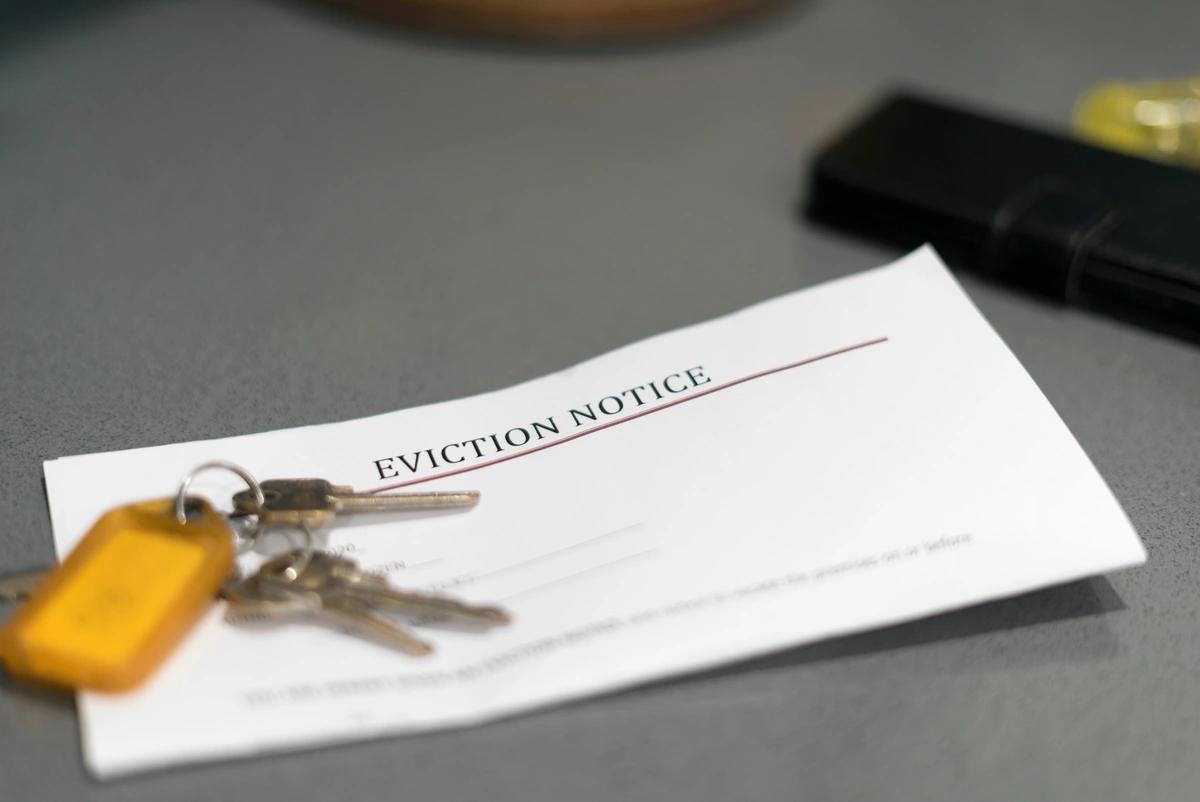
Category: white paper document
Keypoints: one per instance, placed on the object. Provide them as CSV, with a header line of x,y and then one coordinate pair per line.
x,y
857,454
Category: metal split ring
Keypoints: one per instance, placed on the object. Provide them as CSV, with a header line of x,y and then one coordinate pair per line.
x,y
181,497
260,501
301,557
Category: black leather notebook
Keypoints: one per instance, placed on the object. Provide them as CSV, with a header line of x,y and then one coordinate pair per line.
x,y
1046,213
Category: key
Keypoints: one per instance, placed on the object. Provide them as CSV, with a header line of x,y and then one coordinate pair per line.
x,y
261,597
17,587
311,503
338,588
338,576
122,599
246,596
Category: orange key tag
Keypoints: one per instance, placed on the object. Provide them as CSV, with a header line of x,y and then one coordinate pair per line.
x,y
122,599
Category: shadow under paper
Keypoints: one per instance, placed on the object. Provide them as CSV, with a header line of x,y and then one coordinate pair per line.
x,y
1076,600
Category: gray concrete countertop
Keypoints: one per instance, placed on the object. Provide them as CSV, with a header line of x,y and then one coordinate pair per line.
x,y
226,216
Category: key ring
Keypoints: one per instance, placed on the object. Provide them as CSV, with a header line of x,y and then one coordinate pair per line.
x,y
181,497
303,557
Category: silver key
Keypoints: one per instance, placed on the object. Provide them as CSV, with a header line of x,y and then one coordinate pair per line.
x,y
257,597
337,576
311,503
17,587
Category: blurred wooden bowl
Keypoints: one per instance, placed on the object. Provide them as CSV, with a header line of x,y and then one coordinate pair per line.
x,y
563,20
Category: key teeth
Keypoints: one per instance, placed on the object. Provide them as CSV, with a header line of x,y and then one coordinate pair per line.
x,y
355,503
469,615
498,615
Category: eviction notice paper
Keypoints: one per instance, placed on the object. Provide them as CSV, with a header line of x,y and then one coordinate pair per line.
x,y
857,454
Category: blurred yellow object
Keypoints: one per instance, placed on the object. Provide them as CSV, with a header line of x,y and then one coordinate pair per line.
x,y
1158,120
122,599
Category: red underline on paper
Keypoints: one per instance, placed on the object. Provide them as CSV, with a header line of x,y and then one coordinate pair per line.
x,y
718,388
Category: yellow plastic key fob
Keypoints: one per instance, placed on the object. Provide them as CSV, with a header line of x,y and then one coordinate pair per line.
x,y
122,599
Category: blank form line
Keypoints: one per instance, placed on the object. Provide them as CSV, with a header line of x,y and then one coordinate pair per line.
x,y
733,383
464,579
578,574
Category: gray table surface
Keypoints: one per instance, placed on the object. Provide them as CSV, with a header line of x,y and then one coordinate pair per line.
x,y
220,217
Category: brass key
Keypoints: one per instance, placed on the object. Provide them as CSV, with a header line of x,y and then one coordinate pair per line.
x,y
330,575
260,598
337,590
312,503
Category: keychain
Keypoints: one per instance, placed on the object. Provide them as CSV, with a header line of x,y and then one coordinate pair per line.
x,y
141,577
126,594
